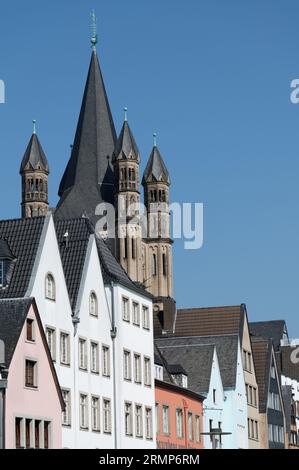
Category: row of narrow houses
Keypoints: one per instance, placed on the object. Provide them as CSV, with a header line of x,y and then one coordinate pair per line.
x,y
93,351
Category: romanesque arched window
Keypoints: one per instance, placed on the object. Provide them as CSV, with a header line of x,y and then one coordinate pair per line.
x,y
93,304
50,287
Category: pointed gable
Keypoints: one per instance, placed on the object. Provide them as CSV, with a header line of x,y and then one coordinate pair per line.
x,y
126,146
88,178
155,170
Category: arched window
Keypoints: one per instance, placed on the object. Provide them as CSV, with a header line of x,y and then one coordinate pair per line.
x,y
154,265
50,287
93,304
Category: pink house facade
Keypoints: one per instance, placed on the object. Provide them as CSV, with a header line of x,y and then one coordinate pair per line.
x,y
33,401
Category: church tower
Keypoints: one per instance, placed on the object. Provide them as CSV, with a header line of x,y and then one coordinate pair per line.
x,y
156,183
34,171
126,160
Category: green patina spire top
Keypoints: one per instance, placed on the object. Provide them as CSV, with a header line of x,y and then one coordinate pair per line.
x,y
94,37
34,125
126,114
155,139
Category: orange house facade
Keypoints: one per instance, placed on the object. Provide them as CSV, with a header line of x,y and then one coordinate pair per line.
x,y
179,417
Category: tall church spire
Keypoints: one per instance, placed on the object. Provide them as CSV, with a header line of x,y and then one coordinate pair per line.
x,y
89,179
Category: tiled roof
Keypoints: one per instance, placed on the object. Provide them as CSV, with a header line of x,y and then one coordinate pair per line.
x,y
196,359
13,313
226,347
210,321
22,237
261,349
269,329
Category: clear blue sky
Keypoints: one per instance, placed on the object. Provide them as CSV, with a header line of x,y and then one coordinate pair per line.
x,y
213,78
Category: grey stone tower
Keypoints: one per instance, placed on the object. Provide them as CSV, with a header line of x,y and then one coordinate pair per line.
x,y
34,171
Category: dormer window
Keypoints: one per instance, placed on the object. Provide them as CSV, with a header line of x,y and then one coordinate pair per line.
x,y
7,260
50,287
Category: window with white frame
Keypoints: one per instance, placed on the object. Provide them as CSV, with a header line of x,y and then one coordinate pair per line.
x,y
128,419
125,309
66,414
190,426
148,423
51,340
136,314
95,413
147,371
50,287
106,416
82,354
165,419
179,423
30,373
64,348
158,372
83,411
145,318
106,360
197,428
138,421
93,304
137,368
94,357
127,365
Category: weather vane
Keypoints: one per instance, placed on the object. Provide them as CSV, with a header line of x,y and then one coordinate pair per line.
x,y
94,38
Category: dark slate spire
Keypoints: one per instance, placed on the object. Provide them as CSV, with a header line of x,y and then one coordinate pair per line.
x,y
155,170
34,157
88,179
126,144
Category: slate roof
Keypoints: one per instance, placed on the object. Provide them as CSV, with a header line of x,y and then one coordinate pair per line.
x,y
155,169
269,329
261,350
210,321
34,157
73,254
196,359
13,313
226,347
5,251
89,179
126,144
22,236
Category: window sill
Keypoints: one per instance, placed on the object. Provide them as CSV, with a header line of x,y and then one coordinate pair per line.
x,y
48,298
95,372
96,431
31,387
107,432
30,341
64,364
136,324
68,426
84,429
83,369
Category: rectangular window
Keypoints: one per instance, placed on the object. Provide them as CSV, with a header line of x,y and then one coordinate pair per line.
x,y
136,314
165,419
36,433
18,433
30,374
106,361
148,423
125,308
179,424
30,330
197,428
214,396
51,340
127,365
28,433
273,371
145,318
137,368
82,354
83,411
95,413
128,419
147,371
106,416
66,414
158,372
94,357
64,348
249,362
157,418
46,435
190,426
138,421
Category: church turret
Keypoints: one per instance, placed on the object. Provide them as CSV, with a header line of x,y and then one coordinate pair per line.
x,y
34,171
156,183
126,159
